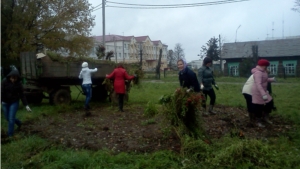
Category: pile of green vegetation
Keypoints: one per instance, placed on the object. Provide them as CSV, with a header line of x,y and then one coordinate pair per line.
x,y
181,111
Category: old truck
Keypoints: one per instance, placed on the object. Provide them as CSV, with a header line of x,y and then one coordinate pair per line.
x,y
47,79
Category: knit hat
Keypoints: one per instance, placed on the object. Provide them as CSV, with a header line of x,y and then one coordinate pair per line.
x,y
84,64
263,62
207,60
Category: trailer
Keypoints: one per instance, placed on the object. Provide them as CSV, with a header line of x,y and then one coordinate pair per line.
x,y
47,79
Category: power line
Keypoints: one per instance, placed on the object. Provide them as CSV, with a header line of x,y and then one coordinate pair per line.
x,y
171,4
96,6
144,6
93,10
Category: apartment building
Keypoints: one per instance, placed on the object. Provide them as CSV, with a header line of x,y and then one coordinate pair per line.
x,y
131,49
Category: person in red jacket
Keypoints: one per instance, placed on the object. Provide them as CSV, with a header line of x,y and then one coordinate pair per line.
x,y
120,75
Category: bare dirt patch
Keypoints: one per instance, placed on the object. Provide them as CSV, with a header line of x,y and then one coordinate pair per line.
x,y
131,131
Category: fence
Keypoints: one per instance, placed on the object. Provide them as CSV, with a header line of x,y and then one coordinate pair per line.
x,y
163,74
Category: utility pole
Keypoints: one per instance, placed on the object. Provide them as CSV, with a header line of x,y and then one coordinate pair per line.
x,y
116,54
141,56
103,22
220,54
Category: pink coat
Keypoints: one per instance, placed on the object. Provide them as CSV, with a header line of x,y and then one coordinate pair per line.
x,y
259,88
119,75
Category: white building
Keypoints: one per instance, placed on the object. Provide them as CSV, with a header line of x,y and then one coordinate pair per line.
x,y
129,49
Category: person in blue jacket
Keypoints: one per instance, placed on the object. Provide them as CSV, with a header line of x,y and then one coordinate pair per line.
x,y
187,78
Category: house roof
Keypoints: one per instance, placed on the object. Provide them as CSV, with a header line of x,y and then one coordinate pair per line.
x,y
156,42
267,48
110,38
141,38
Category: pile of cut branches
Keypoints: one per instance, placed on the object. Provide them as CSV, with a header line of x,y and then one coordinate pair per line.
x,y
182,111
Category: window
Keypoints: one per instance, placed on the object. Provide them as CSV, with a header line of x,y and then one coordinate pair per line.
x,y
273,68
119,54
290,67
233,69
125,55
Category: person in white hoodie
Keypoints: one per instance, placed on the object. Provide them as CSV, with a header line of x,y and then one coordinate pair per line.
x,y
246,91
85,74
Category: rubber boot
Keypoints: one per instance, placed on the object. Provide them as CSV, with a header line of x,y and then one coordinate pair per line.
x,y
266,117
252,118
205,113
121,107
259,124
210,110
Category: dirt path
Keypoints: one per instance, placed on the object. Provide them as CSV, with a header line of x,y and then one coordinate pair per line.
x,y
132,132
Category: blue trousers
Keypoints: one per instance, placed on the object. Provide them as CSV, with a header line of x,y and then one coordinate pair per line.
x,y
10,111
87,89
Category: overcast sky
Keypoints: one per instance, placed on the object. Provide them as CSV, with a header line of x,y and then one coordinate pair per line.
x,y
192,27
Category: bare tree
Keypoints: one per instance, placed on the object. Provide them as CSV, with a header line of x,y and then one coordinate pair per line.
x,y
170,58
296,7
178,52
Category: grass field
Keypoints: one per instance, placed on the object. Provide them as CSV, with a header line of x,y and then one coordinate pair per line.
x,y
228,152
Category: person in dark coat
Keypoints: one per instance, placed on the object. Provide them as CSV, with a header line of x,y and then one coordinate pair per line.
x,y
187,78
11,93
120,75
206,80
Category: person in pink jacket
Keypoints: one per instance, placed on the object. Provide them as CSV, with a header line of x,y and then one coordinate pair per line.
x,y
261,99
120,75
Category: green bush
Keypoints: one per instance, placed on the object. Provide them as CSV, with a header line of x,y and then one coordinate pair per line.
x,y
150,109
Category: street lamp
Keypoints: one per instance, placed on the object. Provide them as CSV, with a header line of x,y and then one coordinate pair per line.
x,y
236,32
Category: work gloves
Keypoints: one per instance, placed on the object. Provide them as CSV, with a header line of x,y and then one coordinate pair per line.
x,y
265,97
216,86
28,108
201,87
189,90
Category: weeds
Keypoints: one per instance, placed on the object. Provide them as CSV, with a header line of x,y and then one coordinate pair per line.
x,y
150,110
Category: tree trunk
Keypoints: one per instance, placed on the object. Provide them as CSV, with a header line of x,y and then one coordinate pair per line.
x,y
158,64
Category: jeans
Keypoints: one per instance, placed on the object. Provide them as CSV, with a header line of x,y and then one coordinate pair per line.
x,y
87,89
10,111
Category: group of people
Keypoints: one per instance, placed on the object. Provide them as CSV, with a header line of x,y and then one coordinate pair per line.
x,y
12,91
257,95
258,98
119,75
205,81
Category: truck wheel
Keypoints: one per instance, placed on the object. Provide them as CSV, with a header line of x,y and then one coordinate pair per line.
x,y
61,96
